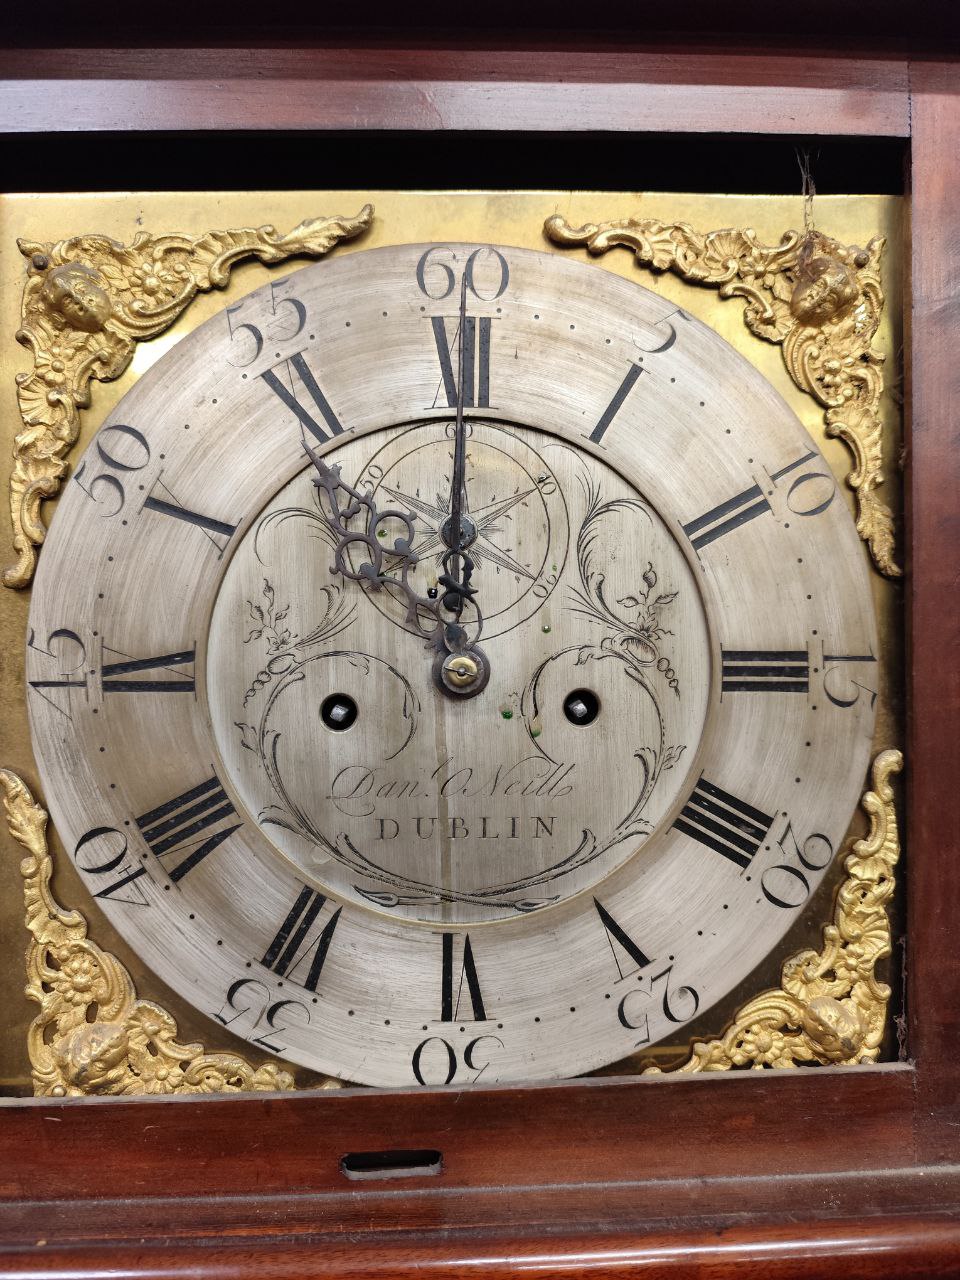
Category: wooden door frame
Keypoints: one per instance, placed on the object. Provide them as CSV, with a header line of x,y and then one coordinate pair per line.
x,y
796,1172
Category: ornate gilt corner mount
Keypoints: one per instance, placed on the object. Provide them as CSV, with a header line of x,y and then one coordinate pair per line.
x,y
830,1009
818,299
130,1047
87,302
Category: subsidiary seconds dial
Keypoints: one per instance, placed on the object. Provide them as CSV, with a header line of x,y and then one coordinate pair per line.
x,y
412,802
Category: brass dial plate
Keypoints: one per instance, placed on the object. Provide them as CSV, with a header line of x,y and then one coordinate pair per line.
x,y
726,467
462,811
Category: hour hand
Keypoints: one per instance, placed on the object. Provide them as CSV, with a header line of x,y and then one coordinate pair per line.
x,y
460,668
457,590
343,503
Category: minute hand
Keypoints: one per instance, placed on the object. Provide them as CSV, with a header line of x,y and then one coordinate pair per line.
x,y
457,564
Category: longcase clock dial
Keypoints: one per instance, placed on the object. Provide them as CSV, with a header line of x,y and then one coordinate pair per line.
x,y
452,663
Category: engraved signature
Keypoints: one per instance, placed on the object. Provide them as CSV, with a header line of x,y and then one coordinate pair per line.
x,y
357,788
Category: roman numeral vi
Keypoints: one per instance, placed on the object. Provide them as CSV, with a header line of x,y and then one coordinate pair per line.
x,y
450,1003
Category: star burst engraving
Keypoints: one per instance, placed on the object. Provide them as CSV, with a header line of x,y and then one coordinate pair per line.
x,y
431,517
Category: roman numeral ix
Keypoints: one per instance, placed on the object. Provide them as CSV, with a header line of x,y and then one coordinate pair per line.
x,y
130,676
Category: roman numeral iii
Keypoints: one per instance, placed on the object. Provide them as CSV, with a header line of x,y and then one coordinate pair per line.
x,y
721,822
765,671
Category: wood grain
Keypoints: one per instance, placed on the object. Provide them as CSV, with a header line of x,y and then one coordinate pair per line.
x,y
593,1132
797,1174
428,90
933,482
738,1199
906,1246
508,57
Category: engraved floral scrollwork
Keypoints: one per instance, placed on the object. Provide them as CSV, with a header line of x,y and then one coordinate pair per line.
x,y
634,635
821,300
92,1035
831,1009
87,302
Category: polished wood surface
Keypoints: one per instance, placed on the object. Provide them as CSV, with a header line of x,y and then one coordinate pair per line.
x,y
806,1173
431,88
428,104
934,692
904,1247
579,1176
579,1132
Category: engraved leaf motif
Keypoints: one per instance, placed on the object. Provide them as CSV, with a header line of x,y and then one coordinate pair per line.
x,y
634,673
410,704
380,899
248,735
639,647
278,817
